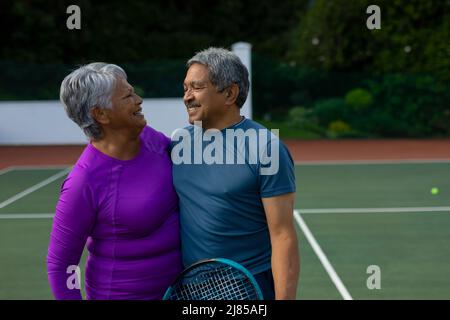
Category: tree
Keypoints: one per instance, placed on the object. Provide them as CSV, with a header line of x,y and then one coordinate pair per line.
x,y
333,35
140,30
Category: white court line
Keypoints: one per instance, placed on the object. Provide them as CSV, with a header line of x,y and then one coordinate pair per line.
x,y
368,162
24,167
322,257
301,211
376,210
40,167
6,170
11,216
34,188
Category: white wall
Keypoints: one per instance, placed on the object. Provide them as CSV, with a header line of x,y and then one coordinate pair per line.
x,y
45,122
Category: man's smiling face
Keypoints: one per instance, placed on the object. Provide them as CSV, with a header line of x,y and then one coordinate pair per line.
x,y
202,99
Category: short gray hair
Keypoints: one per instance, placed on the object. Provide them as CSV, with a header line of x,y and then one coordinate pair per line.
x,y
225,68
87,87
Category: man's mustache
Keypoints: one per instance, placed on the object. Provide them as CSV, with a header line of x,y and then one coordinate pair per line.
x,y
192,105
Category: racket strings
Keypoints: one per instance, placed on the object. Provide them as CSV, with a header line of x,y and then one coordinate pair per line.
x,y
212,283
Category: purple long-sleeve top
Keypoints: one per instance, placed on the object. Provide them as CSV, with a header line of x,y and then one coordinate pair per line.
x,y
126,213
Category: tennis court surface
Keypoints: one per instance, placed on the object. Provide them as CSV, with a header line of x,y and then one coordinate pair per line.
x,y
353,216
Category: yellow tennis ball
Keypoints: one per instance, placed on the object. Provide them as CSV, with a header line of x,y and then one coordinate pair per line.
x,y
434,190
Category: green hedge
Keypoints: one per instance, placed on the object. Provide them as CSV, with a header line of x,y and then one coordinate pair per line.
x,y
30,81
372,105
388,105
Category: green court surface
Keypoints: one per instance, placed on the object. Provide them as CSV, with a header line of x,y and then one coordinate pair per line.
x,y
350,217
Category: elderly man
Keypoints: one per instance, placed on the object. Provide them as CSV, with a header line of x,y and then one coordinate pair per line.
x,y
237,209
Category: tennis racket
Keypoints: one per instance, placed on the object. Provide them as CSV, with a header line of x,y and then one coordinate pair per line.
x,y
214,279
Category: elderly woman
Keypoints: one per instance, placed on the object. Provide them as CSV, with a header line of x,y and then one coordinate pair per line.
x,y
118,200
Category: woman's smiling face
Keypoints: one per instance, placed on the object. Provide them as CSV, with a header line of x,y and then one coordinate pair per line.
x,y
126,108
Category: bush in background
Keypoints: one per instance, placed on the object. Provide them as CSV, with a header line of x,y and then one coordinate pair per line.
x,y
339,129
358,99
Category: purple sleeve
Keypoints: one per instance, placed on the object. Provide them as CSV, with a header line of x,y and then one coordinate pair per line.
x,y
158,139
72,224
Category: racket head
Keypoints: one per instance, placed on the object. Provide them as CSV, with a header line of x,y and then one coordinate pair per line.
x,y
214,279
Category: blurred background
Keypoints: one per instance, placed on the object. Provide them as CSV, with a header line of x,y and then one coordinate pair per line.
x,y
317,70
365,114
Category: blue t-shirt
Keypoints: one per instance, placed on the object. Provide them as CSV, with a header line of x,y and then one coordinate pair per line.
x,y
220,180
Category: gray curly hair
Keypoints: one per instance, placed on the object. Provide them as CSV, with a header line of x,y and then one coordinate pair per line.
x,y
85,88
225,68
